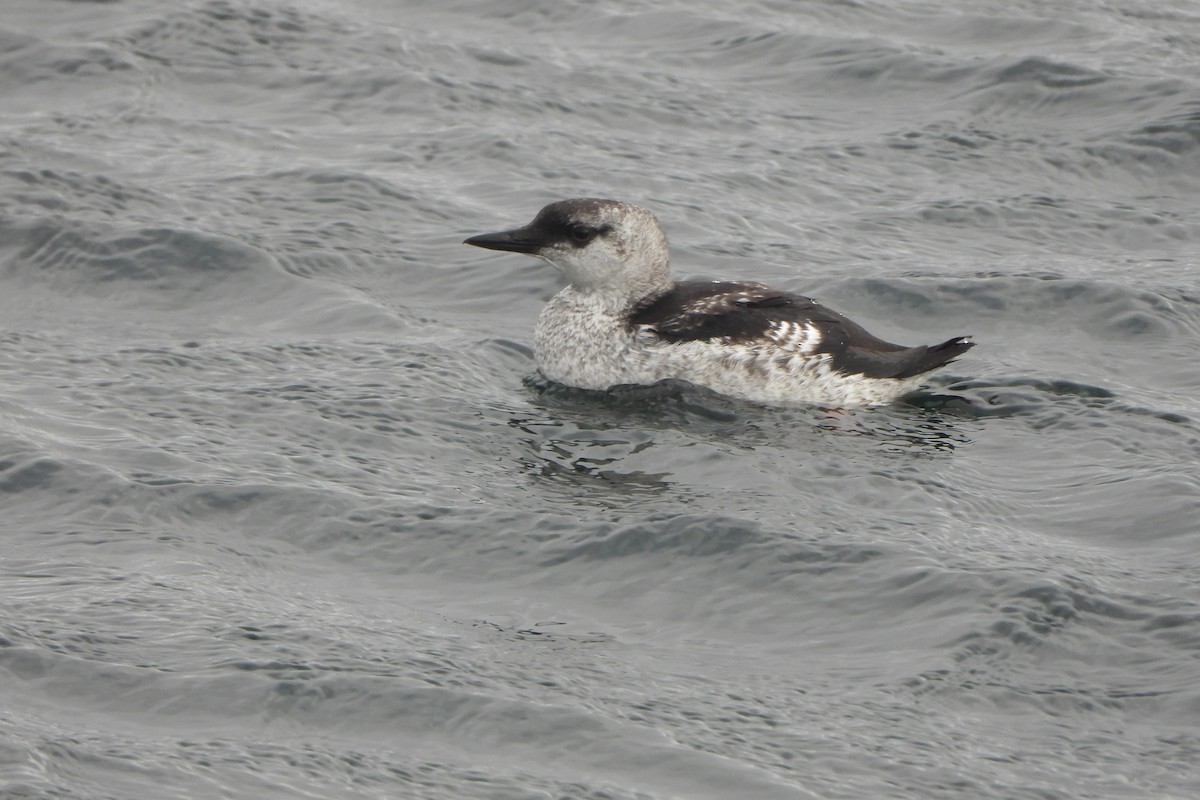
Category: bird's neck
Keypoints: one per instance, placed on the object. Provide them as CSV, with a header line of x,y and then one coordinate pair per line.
x,y
619,300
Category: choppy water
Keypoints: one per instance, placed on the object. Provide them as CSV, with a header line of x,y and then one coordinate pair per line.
x,y
287,513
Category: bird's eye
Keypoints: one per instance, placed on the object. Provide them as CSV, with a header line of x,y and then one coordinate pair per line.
x,y
581,234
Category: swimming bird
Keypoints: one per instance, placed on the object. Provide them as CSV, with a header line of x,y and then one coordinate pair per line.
x,y
622,320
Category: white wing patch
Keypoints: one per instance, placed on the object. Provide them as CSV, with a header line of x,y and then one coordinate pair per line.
x,y
798,337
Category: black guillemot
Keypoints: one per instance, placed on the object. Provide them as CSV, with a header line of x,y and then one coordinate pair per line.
x,y
621,320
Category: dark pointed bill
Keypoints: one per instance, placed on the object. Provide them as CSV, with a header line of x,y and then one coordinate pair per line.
x,y
521,240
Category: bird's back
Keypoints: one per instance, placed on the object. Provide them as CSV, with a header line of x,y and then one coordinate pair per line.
x,y
753,314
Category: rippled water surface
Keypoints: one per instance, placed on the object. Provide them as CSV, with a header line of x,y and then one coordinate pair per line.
x,y
288,513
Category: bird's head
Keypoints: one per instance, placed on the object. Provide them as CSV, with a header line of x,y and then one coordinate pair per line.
x,y
606,247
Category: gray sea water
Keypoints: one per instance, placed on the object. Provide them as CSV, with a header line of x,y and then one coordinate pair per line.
x,y
285,511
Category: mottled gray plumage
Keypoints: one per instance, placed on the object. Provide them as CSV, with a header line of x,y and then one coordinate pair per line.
x,y
622,320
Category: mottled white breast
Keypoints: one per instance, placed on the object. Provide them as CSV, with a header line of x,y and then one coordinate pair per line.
x,y
580,343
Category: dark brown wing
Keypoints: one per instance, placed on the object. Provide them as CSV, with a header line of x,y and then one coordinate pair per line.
x,y
746,312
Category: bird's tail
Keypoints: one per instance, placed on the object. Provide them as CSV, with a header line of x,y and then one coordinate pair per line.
x,y
936,355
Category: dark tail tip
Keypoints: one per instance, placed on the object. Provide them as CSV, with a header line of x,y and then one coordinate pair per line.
x,y
938,355
953,347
